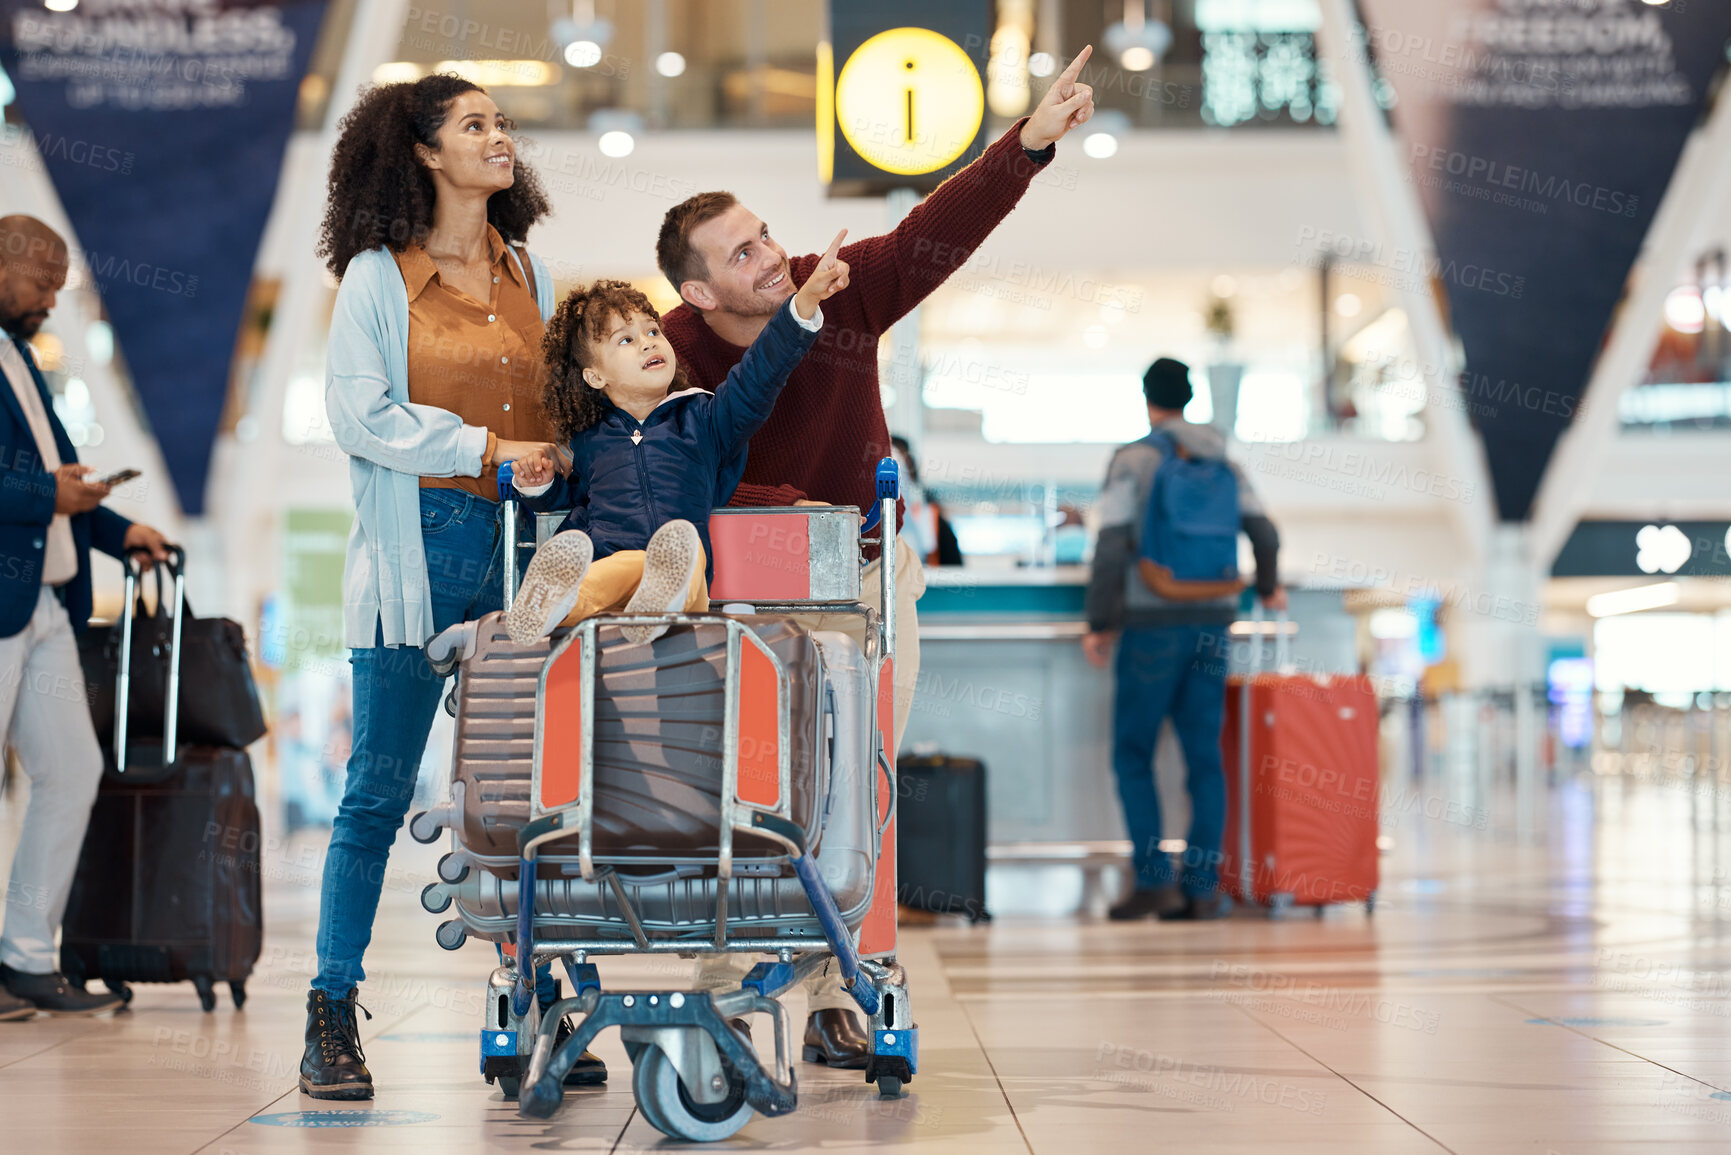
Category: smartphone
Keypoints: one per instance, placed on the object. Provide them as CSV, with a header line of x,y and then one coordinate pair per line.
x,y
114,479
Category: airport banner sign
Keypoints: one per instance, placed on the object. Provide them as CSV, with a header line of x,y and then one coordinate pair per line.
x,y
1540,136
162,126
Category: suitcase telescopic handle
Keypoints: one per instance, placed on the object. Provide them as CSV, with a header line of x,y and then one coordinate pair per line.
x,y
508,514
1282,656
134,567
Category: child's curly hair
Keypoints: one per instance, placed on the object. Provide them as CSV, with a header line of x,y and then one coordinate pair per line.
x,y
582,319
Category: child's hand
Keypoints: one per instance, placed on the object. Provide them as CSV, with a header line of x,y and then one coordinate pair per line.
x,y
828,279
535,468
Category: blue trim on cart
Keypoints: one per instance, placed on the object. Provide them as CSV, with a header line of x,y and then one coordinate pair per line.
x,y
904,1044
768,979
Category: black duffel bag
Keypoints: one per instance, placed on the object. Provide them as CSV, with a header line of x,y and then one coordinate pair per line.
x,y
219,703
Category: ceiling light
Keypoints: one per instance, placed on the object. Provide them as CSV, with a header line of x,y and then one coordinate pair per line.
x,y
1042,64
398,72
60,5
1661,550
1634,600
1685,311
1137,41
1100,145
1104,131
582,54
670,64
1137,58
1348,305
616,130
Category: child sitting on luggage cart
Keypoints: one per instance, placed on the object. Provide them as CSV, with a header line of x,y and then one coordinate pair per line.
x,y
649,457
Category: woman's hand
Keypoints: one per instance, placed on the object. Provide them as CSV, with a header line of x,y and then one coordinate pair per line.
x,y
504,451
828,279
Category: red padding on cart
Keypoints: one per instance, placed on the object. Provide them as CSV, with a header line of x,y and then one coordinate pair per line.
x,y
877,934
562,729
760,557
759,729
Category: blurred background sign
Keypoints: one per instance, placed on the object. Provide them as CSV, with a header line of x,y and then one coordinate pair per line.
x,y
901,93
1541,139
163,129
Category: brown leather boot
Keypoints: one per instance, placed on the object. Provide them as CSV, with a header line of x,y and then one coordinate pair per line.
x,y
833,1036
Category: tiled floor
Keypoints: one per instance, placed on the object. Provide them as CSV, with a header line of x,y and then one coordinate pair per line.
x,y
1564,995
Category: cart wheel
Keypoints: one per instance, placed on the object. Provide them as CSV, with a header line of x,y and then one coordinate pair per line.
x,y
73,968
423,829
237,992
509,1085
121,989
435,899
1320,910
670,1109
206,992
1370,903
889,1087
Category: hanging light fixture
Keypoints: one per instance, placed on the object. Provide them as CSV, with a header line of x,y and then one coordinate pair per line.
x,y
583,35
1138,41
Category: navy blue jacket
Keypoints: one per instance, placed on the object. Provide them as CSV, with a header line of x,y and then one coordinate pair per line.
x,y
689,458
26,508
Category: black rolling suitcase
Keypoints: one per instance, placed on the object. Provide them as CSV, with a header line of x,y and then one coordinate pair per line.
x,y
941,835
167,888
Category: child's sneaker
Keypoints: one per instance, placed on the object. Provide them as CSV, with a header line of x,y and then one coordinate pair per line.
x,y
550,587
668,567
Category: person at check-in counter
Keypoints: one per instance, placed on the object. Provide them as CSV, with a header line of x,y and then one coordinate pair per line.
x,y
828,428
1171,658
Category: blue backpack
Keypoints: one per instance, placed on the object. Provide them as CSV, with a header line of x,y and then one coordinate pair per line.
x,y
1193,516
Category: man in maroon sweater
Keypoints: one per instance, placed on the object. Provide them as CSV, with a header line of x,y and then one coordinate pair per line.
x,y
828,428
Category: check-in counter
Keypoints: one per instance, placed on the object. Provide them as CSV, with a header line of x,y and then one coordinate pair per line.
x,y
1003,679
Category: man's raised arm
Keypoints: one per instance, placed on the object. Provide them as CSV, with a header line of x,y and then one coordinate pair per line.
x,y
896,271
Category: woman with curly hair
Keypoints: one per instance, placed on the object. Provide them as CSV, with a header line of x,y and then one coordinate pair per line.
x,y
433,378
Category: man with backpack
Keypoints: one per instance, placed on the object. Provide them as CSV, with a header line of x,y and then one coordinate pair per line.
x,y
1166,585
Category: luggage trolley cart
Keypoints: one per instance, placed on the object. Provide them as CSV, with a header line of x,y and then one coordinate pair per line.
x,y
796,860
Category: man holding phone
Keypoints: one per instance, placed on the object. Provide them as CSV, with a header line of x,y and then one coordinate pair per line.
x,y
50,516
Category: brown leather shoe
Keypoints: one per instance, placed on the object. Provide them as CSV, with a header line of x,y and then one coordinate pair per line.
x,y
833,1036
12,1007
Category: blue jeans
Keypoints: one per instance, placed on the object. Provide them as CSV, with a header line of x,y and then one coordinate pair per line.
x,y
396,694
1177,672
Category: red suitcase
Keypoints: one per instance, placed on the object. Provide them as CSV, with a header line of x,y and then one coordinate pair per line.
x,y
1303,750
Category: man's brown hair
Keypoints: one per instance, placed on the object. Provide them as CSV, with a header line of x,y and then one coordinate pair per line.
x,y
679,261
